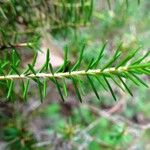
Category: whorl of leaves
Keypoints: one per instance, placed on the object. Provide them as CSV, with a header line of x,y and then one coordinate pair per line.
x,y
118,68
115,69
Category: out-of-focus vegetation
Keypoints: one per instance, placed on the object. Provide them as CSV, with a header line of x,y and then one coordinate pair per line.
x,y
69,125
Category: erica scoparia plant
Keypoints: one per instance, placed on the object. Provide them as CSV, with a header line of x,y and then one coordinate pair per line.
x,y
118,69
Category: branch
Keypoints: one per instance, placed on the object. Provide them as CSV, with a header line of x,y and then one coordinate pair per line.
x,y
117,69
112,70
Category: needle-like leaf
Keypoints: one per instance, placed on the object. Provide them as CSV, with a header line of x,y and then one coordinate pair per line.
x,y
65,87
112,92
10,85
128,57
25,89
32,64
141,59
15,70
76,89
56,83
101,82
32,69
46,65
44,88
77,64
95,63
90,64
140,80
40,90
93,87
113,59
125,85
130,77
116,82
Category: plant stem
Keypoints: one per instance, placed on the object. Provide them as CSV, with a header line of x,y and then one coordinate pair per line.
x,y
66,74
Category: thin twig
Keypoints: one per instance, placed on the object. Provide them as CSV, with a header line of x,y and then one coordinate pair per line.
x,y
65,74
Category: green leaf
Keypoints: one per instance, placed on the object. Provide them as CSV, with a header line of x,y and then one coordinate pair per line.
x,y
81,85
128,57
93,87
65,58
25,89
56,83
90,64
4,64
140,80
116,82
15,57
144,71
44,88
113,59
130,77
76,89
125,86
101,82
15,66
33,63
141,59
36,79
95,63
139,66
40,90
32,69
77,64
17,54
15,70
112,92
64,68
47,59
46,64
10,89
65,88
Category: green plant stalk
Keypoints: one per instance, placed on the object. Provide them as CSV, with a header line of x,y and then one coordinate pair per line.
x,y
73,73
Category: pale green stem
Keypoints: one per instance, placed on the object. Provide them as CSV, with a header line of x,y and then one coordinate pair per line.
x,y
65,74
